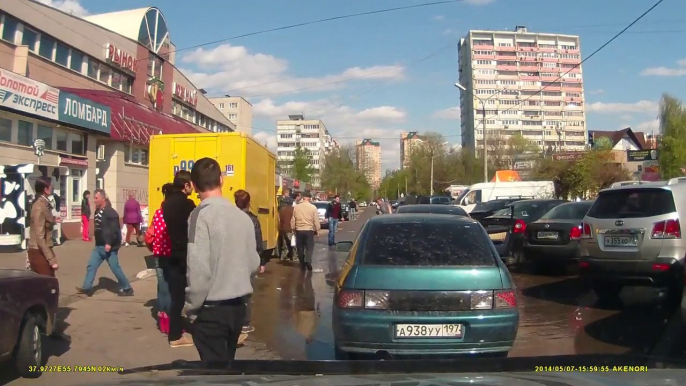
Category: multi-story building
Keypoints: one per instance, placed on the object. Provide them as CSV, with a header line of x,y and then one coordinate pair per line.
x,y
237,110
368,154
311,136
87,94
408,141
530,83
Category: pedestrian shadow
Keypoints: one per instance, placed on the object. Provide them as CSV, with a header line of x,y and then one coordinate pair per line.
x,y
55,345
105,283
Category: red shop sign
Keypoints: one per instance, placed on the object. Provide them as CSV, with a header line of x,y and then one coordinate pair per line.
x,y
121,58
185,94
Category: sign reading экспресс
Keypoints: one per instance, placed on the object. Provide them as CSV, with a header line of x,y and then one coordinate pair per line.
x,y
23,94
84,113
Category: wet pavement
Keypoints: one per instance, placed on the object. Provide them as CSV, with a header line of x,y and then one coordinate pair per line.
x,y
292,311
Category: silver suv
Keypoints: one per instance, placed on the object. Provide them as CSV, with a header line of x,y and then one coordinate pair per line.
x,y
632,236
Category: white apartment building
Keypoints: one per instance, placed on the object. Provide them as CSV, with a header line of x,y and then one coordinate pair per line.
x,y
237,110
516,74
311,135
368,154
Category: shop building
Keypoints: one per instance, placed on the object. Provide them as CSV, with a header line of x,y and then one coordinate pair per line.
x,y
118,63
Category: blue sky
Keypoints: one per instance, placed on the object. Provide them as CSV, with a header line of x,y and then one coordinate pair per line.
x,y
375,76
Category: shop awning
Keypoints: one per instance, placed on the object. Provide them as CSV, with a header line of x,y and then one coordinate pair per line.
x,y
133,121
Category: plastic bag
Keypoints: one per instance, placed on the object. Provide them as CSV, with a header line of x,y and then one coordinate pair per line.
x,y
293,241
123,232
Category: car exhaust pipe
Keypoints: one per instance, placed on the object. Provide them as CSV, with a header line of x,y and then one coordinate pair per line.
x,y
383,355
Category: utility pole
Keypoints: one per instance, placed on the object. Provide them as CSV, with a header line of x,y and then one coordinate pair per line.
x,y
406,185
432,172
483,118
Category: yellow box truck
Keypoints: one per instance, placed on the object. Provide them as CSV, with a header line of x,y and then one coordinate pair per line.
x,y
245,165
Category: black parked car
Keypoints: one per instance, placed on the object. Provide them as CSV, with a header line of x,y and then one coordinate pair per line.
x,y
507,227
489,208
433,209
554,238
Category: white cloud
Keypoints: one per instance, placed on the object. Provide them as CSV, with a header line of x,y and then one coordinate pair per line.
x,y
648,126
346,124
479,2
596,92
643,106
68,6
266,139
680,70
450,113
627,117
439,17
233,69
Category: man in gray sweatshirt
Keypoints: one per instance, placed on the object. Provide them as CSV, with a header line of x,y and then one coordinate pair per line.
x,y
222,258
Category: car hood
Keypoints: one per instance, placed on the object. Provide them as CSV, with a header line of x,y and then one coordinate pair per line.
x,y
6,273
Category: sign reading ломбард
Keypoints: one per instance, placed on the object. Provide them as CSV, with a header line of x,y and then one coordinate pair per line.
x,y
84,113
23,94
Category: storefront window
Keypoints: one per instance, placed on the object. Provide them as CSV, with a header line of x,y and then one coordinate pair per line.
x,y
5,129
61,141
47,44
25,133
77,143
116,80
45,133
29,39
104,74
136,156
76,175
9,29
126,84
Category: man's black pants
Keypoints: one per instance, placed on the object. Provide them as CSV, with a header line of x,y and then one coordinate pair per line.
x,y
217,328
175,275
284,240
304,241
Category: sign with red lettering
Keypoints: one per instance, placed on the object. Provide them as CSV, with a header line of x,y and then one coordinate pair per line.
x,y
185,95
122,59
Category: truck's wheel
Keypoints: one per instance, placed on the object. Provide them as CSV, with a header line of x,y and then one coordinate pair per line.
x,y
28,355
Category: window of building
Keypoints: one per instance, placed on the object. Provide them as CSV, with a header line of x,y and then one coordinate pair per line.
x,y
61,141
9,28
62,54
46,46
5,130
233,117
116,80
221,106
126,82
76,143
136,155
76,62
45,133
25,133
154,66
93,67
233,105
104,76
29,38
76,193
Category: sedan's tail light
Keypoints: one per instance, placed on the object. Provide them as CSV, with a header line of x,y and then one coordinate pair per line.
x,y
519,226
670,229
376,300
575,233
350,299
586,232
505,299
482,300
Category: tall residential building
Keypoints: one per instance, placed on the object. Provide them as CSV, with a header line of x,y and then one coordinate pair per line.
x,y
408,141
368,154
517,75
311,135
237,110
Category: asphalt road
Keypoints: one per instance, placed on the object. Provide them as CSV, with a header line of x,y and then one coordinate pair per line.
x,y
292,311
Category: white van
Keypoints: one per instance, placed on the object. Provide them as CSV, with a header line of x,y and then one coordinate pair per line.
x,y
487,191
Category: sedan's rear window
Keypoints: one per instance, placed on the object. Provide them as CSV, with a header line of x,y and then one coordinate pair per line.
x,y
633,203
532,211
439,243
571,211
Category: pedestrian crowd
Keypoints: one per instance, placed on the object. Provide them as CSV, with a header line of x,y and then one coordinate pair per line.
x,y
206,255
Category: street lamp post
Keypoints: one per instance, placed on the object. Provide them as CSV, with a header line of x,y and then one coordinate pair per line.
x,y
483,119
433,152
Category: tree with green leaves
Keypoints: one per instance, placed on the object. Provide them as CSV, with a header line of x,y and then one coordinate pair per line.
x,y
339,174
672,147
300,167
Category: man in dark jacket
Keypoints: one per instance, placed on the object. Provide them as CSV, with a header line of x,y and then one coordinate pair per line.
x,y
334,213
107,243
176,209
285,230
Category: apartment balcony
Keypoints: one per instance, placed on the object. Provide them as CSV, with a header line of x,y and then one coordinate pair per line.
x,y
484,47
526,49
570,51
508,96
548,78
488,66
532,117
574,107
546,59
546,49
506,67
513,76
570,61
572,99
573,80
531,86
481,56
506,48
529,77
551,108
553,89
573,70
525,59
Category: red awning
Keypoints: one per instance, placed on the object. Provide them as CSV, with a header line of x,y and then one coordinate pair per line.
x,y
133,121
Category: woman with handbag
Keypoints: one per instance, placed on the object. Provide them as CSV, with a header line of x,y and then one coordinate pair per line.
x,y
157,241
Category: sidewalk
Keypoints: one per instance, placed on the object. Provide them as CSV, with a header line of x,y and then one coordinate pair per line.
x,y
107,330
